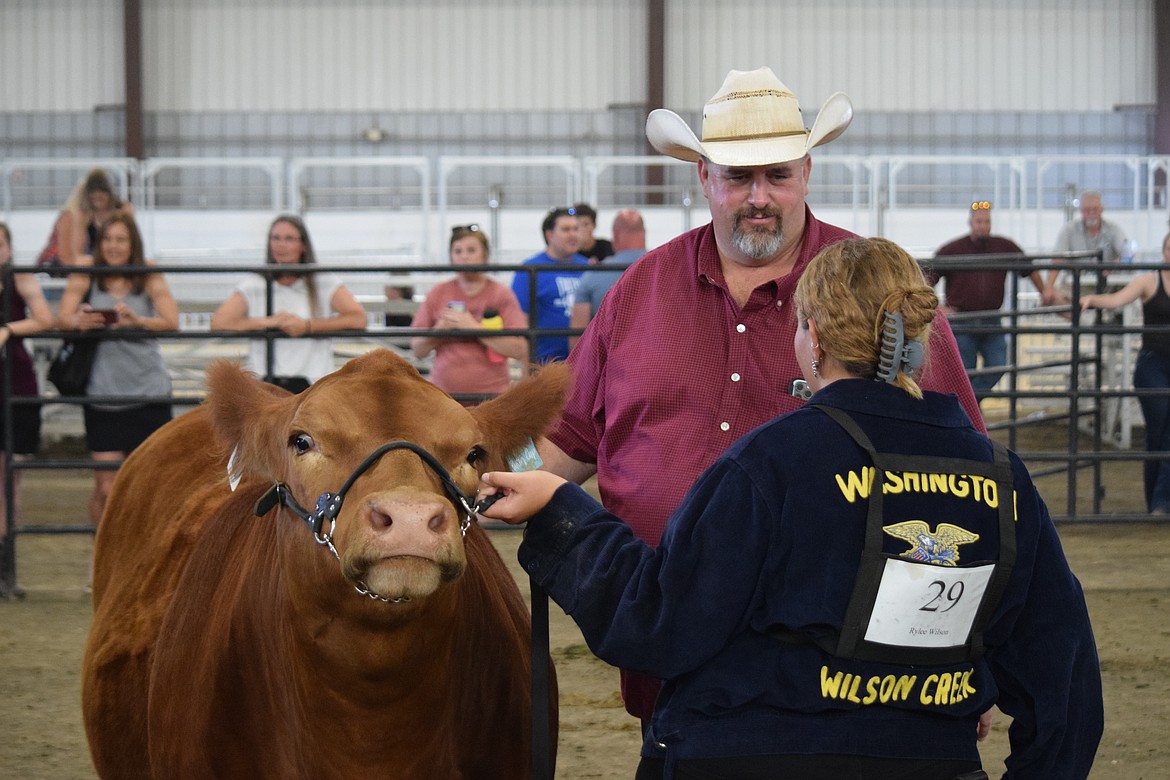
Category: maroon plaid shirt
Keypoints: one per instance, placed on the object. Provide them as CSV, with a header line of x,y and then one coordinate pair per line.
x,y
671,373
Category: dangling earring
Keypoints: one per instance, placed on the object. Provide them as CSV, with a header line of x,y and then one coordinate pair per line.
x,y
816,366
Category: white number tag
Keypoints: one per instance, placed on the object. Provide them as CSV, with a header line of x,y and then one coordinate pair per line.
x,y
919,605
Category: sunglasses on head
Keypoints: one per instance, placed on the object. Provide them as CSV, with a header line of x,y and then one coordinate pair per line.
x,y
472,228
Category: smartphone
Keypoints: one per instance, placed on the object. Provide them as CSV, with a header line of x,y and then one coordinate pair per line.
x,y
456,305
109,315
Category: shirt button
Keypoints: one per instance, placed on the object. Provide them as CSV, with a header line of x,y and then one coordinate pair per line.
x,y
735,377
740,328
779,304
725,426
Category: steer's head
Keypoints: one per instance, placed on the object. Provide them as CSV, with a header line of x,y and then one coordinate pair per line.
x,y
398,533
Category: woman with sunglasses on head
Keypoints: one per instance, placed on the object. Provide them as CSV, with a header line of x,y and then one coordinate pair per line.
x,y
471,363
302,305
890,575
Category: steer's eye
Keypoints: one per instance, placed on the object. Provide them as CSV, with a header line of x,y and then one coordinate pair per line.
x,y
301,443
476,455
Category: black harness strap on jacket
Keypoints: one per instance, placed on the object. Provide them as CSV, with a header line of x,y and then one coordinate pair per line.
x,y
850,642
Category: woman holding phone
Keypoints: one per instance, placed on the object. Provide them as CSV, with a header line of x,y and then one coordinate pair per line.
x,y
471,364
125,365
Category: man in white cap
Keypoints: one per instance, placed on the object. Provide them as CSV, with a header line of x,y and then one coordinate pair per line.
x,y
692,348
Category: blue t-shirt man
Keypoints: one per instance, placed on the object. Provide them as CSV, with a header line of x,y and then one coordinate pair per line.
x,y
596,284
555,290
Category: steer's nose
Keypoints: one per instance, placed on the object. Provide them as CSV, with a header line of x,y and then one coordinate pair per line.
x,y
401,514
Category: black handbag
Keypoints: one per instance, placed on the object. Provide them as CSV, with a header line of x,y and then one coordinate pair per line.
x,y
69,372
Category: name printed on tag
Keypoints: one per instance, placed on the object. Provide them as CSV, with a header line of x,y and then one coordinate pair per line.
x,y
527,459
920,605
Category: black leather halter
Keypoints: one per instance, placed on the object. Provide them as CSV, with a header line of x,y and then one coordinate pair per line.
x,y
329,504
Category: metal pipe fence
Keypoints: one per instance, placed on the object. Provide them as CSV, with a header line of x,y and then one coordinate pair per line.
x,y
897,196
1063,370
1071,370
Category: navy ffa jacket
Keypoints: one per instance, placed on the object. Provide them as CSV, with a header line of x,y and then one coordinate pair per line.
x,y
740,607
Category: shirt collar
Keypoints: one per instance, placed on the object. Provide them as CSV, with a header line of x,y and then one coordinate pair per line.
x,y
867,396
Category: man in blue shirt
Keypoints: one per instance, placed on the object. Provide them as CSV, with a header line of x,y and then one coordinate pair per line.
x,y
629,244
555,290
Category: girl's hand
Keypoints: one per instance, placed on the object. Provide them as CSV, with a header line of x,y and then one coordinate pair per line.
x,y
127,318
1088,302
88,319
457,320
525,493
290,324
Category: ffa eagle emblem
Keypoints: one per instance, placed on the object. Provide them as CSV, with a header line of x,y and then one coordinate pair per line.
x,y
940,548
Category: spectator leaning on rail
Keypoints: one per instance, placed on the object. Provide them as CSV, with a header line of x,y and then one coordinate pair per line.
x,y
27,314
629,244
555,290
981,290
126,363
1090,233
302,304
471,364
845,625
691,348
1151,372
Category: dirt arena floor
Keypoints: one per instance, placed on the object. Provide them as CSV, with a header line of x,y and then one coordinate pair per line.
x,y
1125,569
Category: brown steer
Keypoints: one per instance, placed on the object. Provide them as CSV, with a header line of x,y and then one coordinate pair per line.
x,y
229,645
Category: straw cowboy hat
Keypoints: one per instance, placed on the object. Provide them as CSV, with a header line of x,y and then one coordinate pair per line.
x,y
752,120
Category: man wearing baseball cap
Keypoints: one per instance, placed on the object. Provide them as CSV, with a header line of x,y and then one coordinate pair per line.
x,y
692,348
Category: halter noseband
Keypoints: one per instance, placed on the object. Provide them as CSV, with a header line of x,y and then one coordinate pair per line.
x,y
328,505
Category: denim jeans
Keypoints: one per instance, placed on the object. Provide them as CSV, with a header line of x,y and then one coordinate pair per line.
x,y
1153,372
993,347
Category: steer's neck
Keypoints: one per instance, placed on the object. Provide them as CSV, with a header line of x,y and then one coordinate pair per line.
x,y
352,656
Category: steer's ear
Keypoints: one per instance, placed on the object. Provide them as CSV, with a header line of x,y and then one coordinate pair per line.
x,y
522,414
245,413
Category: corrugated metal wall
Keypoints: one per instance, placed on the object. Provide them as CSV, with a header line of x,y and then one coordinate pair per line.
x,y
413,55
60,55
553,55
921,55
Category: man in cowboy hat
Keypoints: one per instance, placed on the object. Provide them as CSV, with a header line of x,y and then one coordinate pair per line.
x,y
692,347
